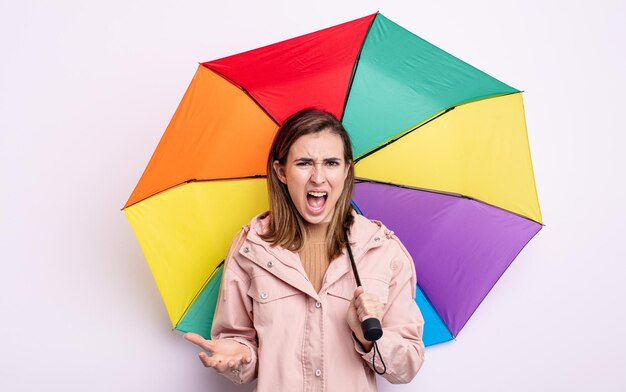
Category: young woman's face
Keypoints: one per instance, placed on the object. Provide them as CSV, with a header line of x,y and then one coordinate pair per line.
x,y
315,173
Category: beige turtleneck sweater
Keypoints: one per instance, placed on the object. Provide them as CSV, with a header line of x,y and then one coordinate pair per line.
x,y
314,256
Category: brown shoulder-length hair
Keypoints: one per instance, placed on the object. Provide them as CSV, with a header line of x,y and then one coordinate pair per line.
x,y
287,228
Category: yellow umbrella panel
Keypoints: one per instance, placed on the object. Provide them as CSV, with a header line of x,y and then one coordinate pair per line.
x,y
478,149
185,232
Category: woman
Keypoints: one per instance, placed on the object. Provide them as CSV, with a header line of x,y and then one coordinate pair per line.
x,y
289,311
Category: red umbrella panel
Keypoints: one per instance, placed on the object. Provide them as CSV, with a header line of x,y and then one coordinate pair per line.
x,y
441,152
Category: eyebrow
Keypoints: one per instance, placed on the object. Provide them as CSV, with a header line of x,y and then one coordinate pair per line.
x,y
331,159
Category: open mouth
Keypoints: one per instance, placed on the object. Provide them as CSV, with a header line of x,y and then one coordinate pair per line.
x,y
316,200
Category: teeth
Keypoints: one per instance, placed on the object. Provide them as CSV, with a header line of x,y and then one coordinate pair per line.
x,y
317,194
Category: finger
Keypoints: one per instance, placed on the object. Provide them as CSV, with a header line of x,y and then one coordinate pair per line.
x,y
366,308
198,340
369,310
204,358
358,301
365,315
369,300
232,363
378,310
361,299
369,297
359,290
193,337
366,298
221,366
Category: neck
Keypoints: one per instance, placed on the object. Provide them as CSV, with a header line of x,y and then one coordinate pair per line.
x,y
317,232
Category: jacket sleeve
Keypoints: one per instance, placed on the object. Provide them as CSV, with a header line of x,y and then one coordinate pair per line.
x,y
233,314
401,346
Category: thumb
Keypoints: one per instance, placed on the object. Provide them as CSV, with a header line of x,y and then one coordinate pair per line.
x,y
359,290
198,340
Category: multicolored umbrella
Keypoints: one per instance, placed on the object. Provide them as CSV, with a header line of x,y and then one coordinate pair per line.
x,y
441,149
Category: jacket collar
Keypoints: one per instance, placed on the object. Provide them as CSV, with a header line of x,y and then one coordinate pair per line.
x,y
364,235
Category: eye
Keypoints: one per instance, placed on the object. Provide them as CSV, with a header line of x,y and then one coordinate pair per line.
x,y
332,163
303,163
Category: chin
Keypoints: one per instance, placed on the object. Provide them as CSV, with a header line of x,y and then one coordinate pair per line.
x,y
315,221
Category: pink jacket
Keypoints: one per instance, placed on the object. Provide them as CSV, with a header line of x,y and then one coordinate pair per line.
x,y
300,339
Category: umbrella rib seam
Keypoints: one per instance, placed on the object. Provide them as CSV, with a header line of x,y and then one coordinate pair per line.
x,y
416,127
255,176
198,294
444,193
411,130
356,66
240,87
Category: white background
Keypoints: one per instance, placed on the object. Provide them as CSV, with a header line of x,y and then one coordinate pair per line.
x,y
87,89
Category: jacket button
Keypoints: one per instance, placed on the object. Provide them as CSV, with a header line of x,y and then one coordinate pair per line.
x,y
377,239
318,373
318,305
264,295
246,249
270,264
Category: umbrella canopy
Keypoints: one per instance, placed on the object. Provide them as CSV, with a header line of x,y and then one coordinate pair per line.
x,y
441,154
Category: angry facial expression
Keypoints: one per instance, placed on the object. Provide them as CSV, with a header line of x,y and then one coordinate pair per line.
x,y
315,174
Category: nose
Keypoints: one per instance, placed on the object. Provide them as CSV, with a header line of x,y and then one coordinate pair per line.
x,y
318,175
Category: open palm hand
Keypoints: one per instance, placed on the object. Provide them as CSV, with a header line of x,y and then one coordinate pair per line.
x,y
222,355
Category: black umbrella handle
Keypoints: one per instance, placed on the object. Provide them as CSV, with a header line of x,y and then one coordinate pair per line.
x,y
372,330
371,327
